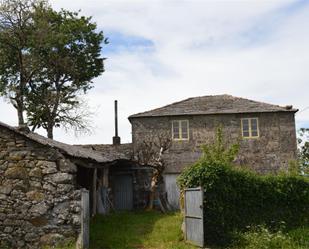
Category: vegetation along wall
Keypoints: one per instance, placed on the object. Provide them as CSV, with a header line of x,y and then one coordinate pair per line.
x,y
236,199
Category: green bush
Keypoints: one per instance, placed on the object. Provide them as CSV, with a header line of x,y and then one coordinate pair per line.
x,y
236,198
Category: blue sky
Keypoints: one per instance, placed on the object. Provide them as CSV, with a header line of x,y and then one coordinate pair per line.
x,y
162,51
119,42
266,25
259,32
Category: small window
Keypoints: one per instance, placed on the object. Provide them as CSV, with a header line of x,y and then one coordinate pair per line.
x,y
250,127
180,129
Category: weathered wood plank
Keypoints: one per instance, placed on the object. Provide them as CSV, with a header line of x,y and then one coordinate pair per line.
x,y
94,192
194,218
85,217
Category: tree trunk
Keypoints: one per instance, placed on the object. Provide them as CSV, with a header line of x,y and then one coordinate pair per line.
x,y
20,91
20,115
152,193
156,179
50,131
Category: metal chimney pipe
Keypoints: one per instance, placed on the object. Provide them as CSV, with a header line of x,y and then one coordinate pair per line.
x,y
116,138
116,118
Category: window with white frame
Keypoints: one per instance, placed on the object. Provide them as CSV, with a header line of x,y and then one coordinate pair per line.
x,y
250,127
180,129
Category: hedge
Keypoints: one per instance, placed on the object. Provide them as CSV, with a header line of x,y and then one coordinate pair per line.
x,y
236,199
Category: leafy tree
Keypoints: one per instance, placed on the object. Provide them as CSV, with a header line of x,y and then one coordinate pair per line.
x,y
303,142
68,48
16,64
47,59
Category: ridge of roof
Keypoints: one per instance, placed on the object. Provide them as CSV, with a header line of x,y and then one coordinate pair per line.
x,y
233,105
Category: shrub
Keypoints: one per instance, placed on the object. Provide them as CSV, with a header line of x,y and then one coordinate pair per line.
x,y
218,152
236,198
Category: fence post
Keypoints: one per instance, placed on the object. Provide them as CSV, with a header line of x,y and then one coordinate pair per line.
x,y
85,216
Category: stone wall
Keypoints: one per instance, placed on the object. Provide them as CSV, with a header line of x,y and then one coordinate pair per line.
x,y
39,203
268,153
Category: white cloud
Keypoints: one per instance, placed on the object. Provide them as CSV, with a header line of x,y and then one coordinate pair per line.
x,y
254,49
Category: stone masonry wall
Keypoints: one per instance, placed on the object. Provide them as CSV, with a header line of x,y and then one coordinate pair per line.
x,y
38,201
275,147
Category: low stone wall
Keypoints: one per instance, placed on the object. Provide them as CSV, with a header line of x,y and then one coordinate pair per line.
x,y
39,203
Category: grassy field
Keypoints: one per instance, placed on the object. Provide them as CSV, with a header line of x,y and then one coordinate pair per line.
x,y
140,230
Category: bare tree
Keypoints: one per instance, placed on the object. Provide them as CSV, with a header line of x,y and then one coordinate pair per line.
x,y
150,153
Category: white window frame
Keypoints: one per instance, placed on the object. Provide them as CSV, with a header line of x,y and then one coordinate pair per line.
x,y
180,130
250,128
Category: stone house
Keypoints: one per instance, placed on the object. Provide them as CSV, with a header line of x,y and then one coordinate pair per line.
x,y
41,182
265,132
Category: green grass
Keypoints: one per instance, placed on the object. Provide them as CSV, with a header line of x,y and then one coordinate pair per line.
x,y
139,230
262,238
153,230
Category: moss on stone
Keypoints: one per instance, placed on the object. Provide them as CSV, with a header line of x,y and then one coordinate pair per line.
x,y
39,221
16,172
35,196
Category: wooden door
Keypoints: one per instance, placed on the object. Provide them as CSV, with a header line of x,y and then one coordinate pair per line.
x,y
123,192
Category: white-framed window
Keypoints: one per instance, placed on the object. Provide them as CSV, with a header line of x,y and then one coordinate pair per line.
x,y
250,127
180,129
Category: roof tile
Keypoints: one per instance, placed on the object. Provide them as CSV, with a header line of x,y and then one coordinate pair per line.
x,y
213,104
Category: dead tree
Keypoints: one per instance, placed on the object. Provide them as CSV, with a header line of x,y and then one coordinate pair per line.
x,y
149,153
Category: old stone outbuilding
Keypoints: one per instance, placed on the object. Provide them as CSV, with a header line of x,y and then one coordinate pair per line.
x,y
126,182
40,187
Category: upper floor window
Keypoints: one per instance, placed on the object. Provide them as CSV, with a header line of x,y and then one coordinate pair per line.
x,y
180,129
250,127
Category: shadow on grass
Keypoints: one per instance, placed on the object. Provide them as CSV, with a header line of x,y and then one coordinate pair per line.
x,y
137,230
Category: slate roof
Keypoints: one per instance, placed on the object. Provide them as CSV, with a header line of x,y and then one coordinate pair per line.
x,y
213,104
121,151
67,149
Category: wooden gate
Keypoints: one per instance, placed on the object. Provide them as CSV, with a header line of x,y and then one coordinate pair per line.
x,y
123,192
194,218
